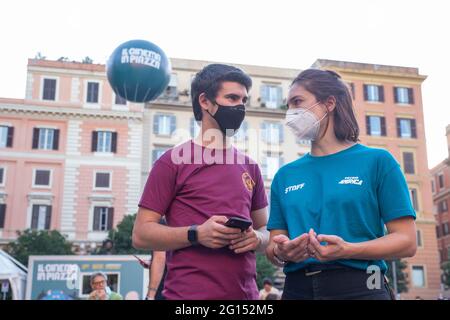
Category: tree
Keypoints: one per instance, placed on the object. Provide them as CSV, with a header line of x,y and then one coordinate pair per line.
x,y
87,60
39,56
63,59
121,238
264,269
44,242
402,276
446,274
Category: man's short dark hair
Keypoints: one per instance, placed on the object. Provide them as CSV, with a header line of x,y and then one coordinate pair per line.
x,y
209,81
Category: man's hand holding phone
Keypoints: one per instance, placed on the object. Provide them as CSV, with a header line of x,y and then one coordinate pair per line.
x,y
214,234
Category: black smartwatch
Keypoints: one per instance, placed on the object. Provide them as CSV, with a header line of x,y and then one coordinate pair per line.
x,y
192,235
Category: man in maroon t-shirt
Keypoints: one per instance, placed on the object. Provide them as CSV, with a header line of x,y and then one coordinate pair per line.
x,y
198,186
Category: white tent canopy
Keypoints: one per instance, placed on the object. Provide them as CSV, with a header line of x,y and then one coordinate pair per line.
x,y
16,273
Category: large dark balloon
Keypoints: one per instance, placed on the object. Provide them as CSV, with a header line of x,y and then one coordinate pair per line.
x,y
138,71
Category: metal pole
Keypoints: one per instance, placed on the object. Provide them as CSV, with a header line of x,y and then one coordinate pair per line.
x,y
394,276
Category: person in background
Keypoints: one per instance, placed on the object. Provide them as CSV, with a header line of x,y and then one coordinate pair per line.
x,y
100,289
268,291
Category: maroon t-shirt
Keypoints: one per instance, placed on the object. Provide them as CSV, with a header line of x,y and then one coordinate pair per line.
x,y
189,184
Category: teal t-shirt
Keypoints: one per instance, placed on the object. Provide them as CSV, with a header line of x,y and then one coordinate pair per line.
x,y
351,194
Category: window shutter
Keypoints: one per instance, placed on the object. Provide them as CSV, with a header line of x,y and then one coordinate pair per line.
x,y
55,139
368,130
35,138
48,217
280,133
34,216
366,95
264,167
245,129
114,142
399,129
2,215
411,95
383,126
381,93
264,93
173,124
192,128
110,218
96,225
156,124
9,140
264,131
413,128
395,95
279,96
94,141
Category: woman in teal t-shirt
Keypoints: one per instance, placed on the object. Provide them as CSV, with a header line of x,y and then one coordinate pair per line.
x,y
329,208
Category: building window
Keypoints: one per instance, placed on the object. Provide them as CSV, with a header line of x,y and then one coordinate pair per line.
x,y
241,134
373,93
419,238
171,91
49,90
102,180
2,176
42,178
433,188
270,165
157,152
271,96
376,125
164,124
443,206
103,218
403,95
438,231
119,100
418,276
2,215
441,181
414,198
272,132
92,92
406,128
194,128
104,141
445,229
6,136
408,162
41,217
45,139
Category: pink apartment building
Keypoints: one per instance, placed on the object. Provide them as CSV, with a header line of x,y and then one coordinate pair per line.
x,y
70,158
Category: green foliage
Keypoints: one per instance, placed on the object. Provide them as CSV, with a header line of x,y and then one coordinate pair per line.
x,y
402,276
264,269
446,274
33,242
121,238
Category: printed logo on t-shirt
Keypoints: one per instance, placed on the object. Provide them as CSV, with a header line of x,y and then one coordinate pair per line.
x,y
295,187
351,180
248,181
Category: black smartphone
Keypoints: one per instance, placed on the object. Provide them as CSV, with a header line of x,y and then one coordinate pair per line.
x,y
239,223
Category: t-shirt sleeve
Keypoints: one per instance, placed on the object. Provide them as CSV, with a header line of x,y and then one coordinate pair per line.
x,y
393,193
276,218
159,189
259,198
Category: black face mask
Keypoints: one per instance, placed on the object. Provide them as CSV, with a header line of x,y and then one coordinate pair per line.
x,y
229,118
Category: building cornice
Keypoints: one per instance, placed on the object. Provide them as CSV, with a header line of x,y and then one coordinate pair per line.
x,y
8,108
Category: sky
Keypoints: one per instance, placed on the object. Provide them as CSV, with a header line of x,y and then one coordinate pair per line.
x,y
281,33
